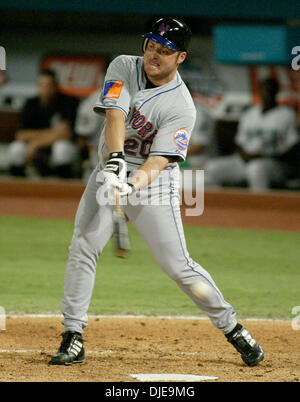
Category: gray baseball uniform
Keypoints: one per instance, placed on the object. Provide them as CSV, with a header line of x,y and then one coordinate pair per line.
x,y
159,121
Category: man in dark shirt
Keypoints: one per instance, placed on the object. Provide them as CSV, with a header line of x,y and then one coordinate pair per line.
x,y
45,137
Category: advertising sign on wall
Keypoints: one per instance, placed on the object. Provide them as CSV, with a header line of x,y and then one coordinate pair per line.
x,y
78,75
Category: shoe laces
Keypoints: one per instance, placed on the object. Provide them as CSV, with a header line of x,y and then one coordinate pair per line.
x,y
67,339
244,340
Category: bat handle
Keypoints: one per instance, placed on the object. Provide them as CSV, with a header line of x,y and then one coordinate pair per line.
x,y
118,207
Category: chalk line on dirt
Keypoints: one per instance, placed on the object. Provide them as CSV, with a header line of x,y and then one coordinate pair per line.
x,y
132,316
41,351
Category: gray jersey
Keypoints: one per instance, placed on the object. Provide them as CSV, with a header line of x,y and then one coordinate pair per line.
x,y
159,121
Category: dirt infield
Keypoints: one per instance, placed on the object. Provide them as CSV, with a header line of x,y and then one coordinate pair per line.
x,y
118,347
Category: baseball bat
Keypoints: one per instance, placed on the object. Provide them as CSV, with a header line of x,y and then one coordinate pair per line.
x,y
120,228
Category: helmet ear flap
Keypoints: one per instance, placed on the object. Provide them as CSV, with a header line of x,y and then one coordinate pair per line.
x,y
144,44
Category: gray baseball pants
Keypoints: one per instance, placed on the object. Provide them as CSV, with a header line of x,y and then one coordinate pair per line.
x,y
161,228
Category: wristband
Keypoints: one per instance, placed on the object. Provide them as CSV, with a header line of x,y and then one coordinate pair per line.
x,y
116,155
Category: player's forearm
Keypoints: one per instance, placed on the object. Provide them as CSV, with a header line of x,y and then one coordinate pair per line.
x,y
115,130
148,172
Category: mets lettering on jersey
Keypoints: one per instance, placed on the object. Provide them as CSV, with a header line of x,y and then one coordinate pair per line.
x,y
140,143
139,123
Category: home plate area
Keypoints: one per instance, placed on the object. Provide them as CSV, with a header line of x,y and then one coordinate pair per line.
x,y
171,377
146,349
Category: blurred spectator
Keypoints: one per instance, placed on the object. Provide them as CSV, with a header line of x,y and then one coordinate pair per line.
x,y
46,138
88,126
267,146
3,77
202,145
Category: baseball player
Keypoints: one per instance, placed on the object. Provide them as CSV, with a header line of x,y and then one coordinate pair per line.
x,y
149,117
266,142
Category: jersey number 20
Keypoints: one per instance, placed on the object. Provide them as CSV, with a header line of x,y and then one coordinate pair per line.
x,y
138,148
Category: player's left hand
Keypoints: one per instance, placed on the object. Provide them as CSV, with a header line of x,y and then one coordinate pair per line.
x,y
126,189
115,168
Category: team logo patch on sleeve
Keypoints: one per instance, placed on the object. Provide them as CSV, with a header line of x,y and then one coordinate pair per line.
x,y
112,89
181,139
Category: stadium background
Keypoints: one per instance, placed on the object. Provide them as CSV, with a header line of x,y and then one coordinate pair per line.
x,y
36,32
223,72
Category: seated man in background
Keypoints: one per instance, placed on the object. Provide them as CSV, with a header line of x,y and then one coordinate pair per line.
x,y
267,145
45,138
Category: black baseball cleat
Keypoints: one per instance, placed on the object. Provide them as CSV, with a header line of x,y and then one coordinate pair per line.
x,y
250,350
71,350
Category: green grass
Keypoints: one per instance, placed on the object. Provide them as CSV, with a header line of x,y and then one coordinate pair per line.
x,y
257,271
